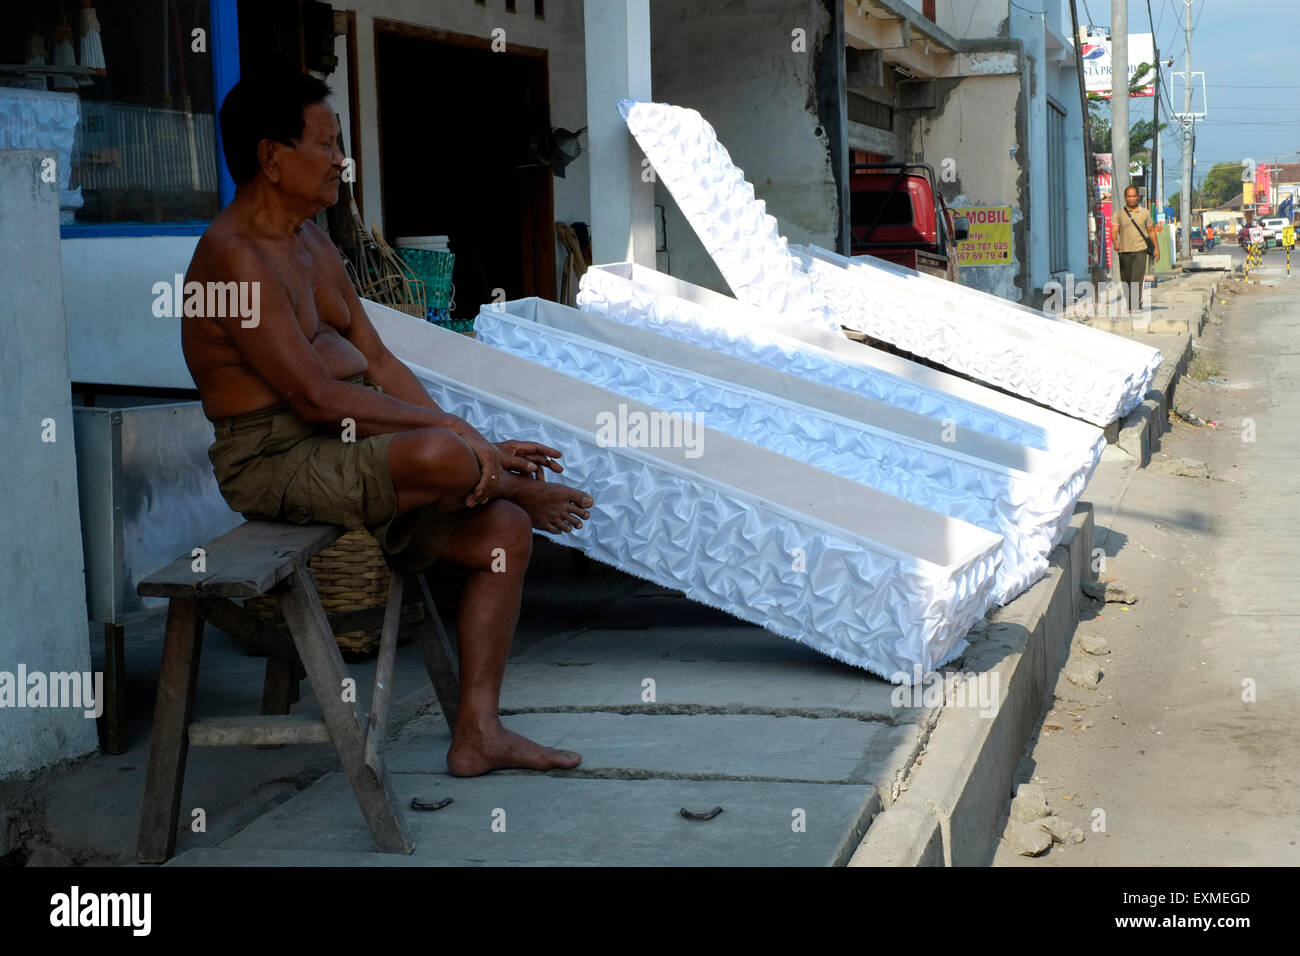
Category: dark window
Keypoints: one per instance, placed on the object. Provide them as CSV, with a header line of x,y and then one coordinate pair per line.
x,y
864,204
927,10
145,142
1058,237
510,6
539,9
870,113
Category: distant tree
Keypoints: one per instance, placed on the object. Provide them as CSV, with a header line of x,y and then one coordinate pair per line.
x,y
1220,184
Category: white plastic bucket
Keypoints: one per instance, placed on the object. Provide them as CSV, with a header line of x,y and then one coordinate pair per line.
x,y
431,243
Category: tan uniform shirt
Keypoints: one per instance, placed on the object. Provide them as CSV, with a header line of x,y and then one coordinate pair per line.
x,y
1132,238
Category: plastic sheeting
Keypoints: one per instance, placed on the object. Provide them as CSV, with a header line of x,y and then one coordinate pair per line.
x,y
38,119
648,299
1025,496
1075,369
1090,374
859,575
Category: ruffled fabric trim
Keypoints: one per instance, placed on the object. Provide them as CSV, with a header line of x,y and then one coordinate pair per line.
x,y
1030,512
602,293
719,204
824,588
981,335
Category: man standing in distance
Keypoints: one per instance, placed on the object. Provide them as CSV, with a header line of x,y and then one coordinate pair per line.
x,y
1133,235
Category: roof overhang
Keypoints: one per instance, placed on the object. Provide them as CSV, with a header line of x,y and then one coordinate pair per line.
x,y
918,47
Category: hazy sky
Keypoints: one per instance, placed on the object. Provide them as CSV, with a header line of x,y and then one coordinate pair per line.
x,y
1253,110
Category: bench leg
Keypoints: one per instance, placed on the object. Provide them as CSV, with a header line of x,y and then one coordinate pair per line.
x,y
324,664
279,688
439,657
169,741
114,718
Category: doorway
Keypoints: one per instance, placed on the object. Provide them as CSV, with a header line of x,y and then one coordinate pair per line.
x,y
455,121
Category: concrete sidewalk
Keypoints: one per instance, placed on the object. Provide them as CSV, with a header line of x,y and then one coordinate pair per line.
x,y
798,750
672,705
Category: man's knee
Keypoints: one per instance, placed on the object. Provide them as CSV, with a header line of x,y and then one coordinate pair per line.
x,y
509,528
497,537
441,457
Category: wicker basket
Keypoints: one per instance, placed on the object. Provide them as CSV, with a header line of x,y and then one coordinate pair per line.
x,y
351,575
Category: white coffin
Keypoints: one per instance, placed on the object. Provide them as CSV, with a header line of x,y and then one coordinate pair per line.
x,y
859,575
1073,368
642,297
1079,371
1023,494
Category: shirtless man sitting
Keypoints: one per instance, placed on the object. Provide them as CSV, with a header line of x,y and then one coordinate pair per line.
x,y
280,387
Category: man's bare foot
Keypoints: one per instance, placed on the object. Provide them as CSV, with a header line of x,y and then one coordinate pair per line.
x,y
551,506
474,753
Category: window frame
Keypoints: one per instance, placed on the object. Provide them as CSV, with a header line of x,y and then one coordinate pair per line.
x,y
223,50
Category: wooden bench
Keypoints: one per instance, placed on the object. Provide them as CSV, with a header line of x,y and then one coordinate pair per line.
x,y
254,559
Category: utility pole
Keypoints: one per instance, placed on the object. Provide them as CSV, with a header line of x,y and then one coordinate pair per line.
x,y
1188,126
1090,166
1154,197
1153,181
1118,112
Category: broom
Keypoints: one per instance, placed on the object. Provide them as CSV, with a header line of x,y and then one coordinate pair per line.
x,y
92,47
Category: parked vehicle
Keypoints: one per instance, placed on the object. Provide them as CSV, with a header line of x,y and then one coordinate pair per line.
x,y
1273,229
1198,239
896,213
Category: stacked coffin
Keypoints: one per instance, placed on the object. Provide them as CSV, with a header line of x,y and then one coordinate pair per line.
x,y
1023,494
1074,369
745,452
858,574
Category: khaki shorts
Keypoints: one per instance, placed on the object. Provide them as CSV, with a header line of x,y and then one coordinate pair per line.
x,y
274,466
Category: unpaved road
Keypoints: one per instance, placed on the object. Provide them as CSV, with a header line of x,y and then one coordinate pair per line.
x,y
1188,751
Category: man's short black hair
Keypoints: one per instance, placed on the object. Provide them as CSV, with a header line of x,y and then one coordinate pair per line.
x,y
265,106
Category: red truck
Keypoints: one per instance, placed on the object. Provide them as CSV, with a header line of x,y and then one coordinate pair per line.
x,y
897,214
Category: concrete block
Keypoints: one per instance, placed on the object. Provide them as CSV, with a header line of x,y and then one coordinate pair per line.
x,y
864,69
907,834
1221,263
1134,434
1155,424
1184,296
1174,324
1062,616
501,819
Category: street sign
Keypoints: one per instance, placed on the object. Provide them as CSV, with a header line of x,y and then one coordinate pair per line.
x,y
1288,236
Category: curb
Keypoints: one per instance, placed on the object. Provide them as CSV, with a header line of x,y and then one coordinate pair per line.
x,y
951,812
1139,433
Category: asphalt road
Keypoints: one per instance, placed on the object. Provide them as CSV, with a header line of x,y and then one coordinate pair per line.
x,y
1187,751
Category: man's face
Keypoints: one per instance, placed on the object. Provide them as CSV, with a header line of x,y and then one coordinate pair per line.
x,y
312,168
1131,198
